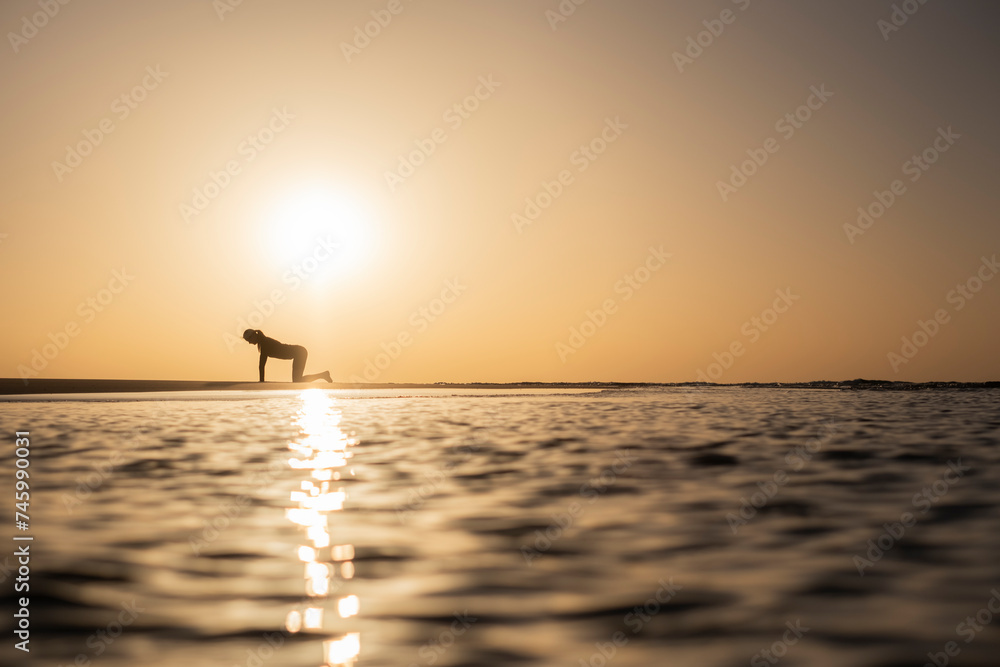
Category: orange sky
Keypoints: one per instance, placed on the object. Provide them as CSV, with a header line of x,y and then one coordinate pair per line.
x,y
495,191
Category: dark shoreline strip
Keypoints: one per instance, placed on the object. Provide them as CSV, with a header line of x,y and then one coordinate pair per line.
x,y
14,386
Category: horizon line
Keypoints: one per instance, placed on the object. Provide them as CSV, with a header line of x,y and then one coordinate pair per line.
x,y
17,386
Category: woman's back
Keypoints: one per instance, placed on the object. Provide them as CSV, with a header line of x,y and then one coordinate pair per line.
x,y
276,349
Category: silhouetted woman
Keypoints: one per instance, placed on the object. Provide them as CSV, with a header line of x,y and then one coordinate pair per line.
x,y
271,348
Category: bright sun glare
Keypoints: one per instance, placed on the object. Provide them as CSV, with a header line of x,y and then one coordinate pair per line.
x,y
331,228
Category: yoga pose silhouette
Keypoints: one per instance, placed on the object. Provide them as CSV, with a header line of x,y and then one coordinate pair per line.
x,y
271,348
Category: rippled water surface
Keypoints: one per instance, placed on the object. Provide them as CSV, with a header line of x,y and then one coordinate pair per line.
x,y
623,527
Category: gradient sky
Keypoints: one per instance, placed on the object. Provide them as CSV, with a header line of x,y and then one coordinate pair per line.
x,y
309,129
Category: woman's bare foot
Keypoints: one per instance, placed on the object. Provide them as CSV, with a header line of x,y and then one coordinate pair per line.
x,y
326,376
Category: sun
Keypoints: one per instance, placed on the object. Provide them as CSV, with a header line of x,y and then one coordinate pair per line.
x,y
319,223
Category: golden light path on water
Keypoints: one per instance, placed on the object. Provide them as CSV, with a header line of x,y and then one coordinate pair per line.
x,y
322,450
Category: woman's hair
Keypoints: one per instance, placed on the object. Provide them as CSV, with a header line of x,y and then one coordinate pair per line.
x,y
252,333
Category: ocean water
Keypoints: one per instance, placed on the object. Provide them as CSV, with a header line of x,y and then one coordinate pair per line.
x,y
642,527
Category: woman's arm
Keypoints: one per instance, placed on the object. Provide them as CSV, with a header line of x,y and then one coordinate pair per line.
x,y
263,360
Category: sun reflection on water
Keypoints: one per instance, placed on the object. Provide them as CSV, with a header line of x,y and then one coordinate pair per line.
x,y
324,450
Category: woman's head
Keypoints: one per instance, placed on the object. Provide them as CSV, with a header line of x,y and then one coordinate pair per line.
x,y
253,336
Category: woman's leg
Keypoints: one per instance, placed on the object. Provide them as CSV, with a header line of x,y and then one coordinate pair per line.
x,y
299,365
